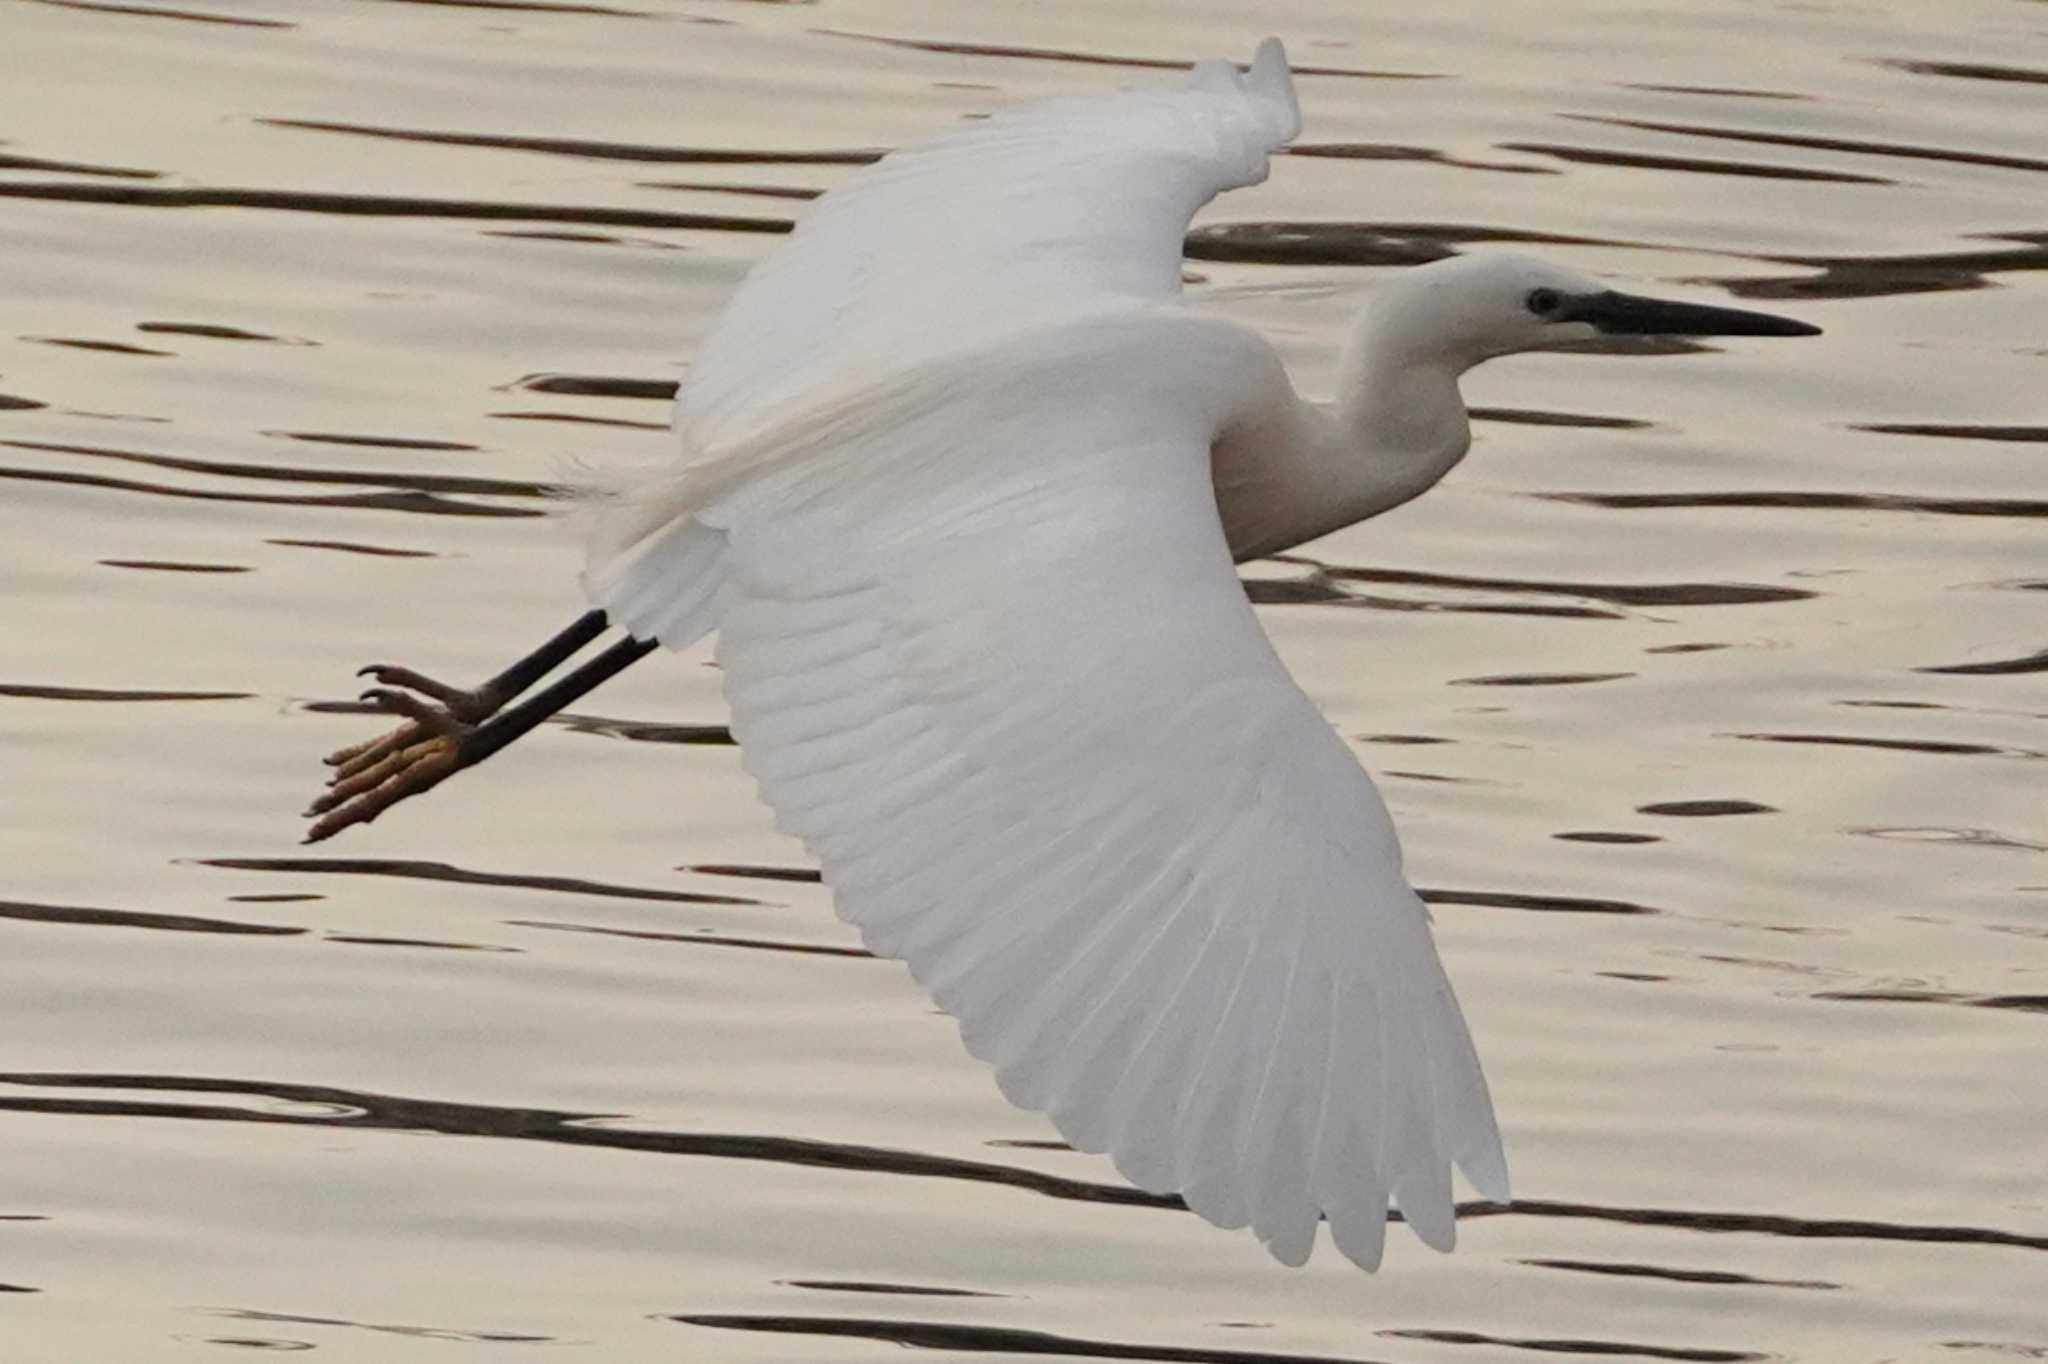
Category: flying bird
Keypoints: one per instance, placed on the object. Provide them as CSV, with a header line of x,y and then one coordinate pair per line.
x,y
961,488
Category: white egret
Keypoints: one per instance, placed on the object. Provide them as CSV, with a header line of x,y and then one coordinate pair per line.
x,y
953,463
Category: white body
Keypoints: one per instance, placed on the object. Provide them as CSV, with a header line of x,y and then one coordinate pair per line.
x,y
954,461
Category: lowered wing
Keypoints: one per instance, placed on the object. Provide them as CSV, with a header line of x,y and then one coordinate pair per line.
x,y
988,657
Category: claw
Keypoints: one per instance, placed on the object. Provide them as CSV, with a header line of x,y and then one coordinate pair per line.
x,y
370,777
461,702
398,776
431,717
390,766
361,757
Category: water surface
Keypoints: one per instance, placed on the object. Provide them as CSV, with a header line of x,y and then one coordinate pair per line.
x,y
1708,695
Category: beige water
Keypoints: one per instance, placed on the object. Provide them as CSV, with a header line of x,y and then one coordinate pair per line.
x,y
1708,695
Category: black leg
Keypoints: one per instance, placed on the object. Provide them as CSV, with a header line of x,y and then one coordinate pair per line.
x,y
502,729
486,700
463,729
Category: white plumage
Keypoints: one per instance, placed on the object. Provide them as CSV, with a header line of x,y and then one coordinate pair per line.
x,y
948,504
961,491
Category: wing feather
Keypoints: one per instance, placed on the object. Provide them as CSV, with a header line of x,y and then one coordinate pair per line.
x,y
987,656
1034,734
1043,206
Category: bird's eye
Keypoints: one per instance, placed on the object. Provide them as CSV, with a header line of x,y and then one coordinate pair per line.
x,y
1543,302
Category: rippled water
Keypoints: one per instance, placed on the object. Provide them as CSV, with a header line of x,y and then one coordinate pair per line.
x,y
1708,694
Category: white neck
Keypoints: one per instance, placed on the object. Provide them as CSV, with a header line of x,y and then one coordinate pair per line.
x,y
1296,471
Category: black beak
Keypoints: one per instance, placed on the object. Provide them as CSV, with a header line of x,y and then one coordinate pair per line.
x,y
1629,315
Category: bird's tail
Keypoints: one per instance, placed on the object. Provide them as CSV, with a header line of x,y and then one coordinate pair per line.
x,y
654,568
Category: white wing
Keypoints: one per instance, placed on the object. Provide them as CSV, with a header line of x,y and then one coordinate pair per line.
x,y
1035,209
988,657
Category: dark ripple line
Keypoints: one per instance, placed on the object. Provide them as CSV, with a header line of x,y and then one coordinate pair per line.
x,y
1606,836
371,940
2033,1004
217,332
1939,746
1882,276
1522,416
195,16
1328,243
596,151
704,939
130,918
443,871
906,1289
584,238
538,7
1696,165
387,206
289,473
347,547
1978,71
1664,1272
1051,54
1579,1347
10,403
807,874
393,1113
31,692
37,163
1391,151
578,418
761,191
637,731
419,502
1537,679
1619,594
1806,501
648,732
1308,592
1826,144
597,386
1547,904
174,566
1768,1224
104,347
958,1336
415,1332
1959,432
2032,663
376,442
362,1109
1719,91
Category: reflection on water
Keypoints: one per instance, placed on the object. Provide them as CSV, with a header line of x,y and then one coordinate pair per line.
x,y
600,151
1826,144
1048,54
441,871
311,306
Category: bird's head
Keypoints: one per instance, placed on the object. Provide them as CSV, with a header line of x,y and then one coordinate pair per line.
x,y
1471,308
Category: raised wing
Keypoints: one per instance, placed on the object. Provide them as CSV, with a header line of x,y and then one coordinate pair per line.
x,y
988,657
1033,210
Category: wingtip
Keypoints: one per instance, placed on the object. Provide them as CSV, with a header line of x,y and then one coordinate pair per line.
x,y
1488,1175
1271,77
